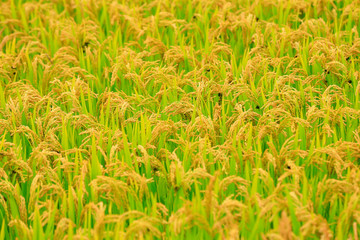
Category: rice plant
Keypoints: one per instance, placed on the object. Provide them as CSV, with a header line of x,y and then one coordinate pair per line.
x,y
160,119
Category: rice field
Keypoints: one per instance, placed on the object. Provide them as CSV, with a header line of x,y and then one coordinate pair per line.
x,y
203,119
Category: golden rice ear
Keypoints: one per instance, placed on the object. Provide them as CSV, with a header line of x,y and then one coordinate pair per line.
x,y
155,45
162,127
241,185
23,209
185,218
23,229
114,190
144,227
140,183
285,228
3,203
3,174
313,223
62,227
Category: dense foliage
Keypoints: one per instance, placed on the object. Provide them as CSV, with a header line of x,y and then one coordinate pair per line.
x,y
204,119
